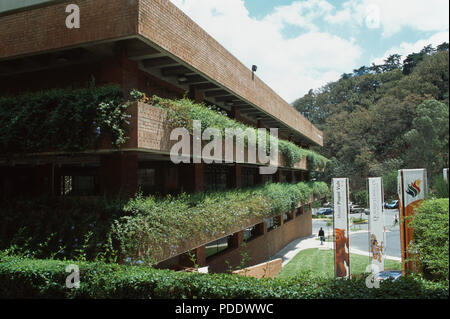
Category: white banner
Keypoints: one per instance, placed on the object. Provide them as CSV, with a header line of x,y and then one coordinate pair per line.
x,y
340,228
376,224
445,173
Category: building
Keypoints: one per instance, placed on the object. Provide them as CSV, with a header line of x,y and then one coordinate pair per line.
x,y
153,46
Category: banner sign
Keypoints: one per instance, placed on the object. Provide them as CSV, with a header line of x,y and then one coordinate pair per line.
x,y
376,224
412,189
340,228
445,173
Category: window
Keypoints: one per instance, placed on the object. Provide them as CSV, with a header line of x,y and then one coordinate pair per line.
x,y
217,246
250,233
146,180
287,217
249,176
79,185
216,177
273,223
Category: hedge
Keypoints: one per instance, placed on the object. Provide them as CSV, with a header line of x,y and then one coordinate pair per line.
x,y
431,237
29,278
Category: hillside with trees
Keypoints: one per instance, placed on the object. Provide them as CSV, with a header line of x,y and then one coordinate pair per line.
x,y
382,118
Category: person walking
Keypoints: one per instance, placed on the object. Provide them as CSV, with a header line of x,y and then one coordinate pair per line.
x,y
321,235
395,220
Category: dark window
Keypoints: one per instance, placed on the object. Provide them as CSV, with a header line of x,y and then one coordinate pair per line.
x,y
216,177
79,185
273,223
250,233
299,211
249,175
146,180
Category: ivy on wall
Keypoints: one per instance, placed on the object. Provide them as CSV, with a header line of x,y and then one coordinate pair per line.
x,y
148,227
68,120
183,112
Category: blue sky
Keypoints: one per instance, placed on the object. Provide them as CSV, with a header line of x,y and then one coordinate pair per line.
x,y
303,44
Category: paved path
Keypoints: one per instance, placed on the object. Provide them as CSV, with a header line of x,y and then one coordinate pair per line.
x,y
294,247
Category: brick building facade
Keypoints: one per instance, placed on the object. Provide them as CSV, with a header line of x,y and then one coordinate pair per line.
x,y
153,46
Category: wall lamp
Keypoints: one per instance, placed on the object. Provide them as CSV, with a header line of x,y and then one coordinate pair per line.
x,y
254,68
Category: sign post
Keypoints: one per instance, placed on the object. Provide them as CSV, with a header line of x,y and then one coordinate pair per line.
x,y
412,187
377,240
340,228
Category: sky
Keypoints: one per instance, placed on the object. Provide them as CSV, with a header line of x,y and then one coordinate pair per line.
x,y
300,45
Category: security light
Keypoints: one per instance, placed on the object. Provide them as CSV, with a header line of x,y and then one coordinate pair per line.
x,y
254,68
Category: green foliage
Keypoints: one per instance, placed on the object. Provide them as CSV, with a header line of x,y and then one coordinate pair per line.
x,y
361,198
440,187
385,117
28,278
147,229
431,237
64,120
64,227
95,228
182,113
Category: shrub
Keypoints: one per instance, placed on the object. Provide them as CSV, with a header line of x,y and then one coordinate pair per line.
x,y
440,187
431,238
28,278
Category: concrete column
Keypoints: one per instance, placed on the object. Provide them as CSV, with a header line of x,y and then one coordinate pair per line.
x,y
198,254
260,124
261,229
196,95
236,240
236,176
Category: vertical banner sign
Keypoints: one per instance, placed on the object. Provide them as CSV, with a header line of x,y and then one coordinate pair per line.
x,y
412,188
376,224
340,228
445,173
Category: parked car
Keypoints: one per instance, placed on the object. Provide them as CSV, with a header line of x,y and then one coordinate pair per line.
x,y
355,209
327,204
391,205
366,211
389,274
324,212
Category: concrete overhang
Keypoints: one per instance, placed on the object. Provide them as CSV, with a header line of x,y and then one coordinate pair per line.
x,y
165,42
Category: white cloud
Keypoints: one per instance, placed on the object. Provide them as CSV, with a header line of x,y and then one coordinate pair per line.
x,y
394,15
290,66
406,48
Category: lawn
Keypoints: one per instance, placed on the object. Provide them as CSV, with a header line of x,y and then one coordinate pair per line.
x,y
319,263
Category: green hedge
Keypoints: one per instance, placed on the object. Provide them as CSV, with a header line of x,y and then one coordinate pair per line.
x,y
28,278
68,227
70,120
431,237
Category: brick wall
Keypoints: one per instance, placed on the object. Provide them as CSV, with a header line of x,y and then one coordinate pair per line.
x,y
264,247
265,270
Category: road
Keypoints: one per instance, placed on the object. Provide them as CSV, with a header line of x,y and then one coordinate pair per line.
x,y
359,235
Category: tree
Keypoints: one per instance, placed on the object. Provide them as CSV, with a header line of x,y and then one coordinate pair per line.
x,y
428,139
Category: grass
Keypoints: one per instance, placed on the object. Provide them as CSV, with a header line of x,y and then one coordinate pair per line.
x,y
319,263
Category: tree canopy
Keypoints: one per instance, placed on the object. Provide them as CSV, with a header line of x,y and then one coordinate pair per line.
x,y
385,117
